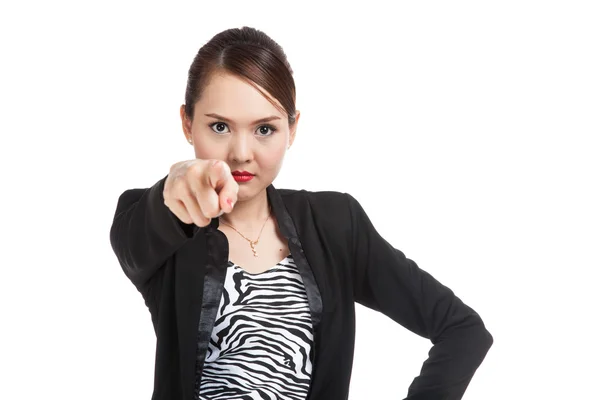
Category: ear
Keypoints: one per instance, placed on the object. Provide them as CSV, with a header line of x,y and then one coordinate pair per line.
x,y
293,129
186,124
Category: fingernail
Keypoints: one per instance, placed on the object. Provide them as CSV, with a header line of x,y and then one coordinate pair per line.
x,y
230,202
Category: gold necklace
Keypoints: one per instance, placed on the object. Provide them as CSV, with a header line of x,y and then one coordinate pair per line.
x,y
255,242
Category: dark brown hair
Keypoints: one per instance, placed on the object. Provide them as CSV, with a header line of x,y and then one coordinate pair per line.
x,y
251,55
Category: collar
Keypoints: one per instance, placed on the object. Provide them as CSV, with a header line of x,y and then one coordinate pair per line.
x,y
283,218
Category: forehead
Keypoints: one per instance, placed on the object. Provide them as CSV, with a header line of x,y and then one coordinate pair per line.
x,y
234,96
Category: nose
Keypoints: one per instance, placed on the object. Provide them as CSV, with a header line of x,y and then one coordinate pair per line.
x,y
241,147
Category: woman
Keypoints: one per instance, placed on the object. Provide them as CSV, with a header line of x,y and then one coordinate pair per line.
x,y
252,289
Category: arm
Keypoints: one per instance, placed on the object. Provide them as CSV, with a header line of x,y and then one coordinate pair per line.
x,y
145,233
388,282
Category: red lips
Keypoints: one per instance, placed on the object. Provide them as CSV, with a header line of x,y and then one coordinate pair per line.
x,y
242,173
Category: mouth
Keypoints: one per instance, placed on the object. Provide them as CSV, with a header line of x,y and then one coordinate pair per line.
x,y
241,173
242,176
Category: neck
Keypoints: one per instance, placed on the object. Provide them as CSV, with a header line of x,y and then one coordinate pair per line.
x,y
248,215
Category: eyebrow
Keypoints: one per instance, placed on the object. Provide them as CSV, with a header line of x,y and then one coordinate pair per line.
x,y
267,119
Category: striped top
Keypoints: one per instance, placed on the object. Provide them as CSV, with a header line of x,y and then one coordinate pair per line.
x,y
261,343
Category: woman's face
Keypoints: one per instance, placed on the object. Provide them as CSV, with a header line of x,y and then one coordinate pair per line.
x,y
226,127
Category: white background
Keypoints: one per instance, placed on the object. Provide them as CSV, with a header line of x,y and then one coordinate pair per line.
x,y
467,130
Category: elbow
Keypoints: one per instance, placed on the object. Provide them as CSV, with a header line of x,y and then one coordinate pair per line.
x,y
489,338
123,252
481,337
486,337
472,333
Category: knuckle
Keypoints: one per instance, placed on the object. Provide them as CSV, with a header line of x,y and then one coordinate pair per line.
x,y
193,171
185,218
209,210
226,168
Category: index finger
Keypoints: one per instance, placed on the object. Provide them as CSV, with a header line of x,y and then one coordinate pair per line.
x,y
222,181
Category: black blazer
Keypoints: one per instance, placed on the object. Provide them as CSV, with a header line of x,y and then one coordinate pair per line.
x,y
180,269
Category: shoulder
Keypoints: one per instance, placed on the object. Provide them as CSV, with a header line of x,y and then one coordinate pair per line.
x,y
329,203
328,213
317,198
128,197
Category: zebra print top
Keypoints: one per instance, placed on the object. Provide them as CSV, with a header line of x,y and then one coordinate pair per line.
x,y
261,343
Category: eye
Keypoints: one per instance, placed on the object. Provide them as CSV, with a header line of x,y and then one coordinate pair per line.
x,y
220,126
262,128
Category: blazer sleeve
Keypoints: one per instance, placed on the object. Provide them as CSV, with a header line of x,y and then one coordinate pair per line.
x,y
388,282
145,232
